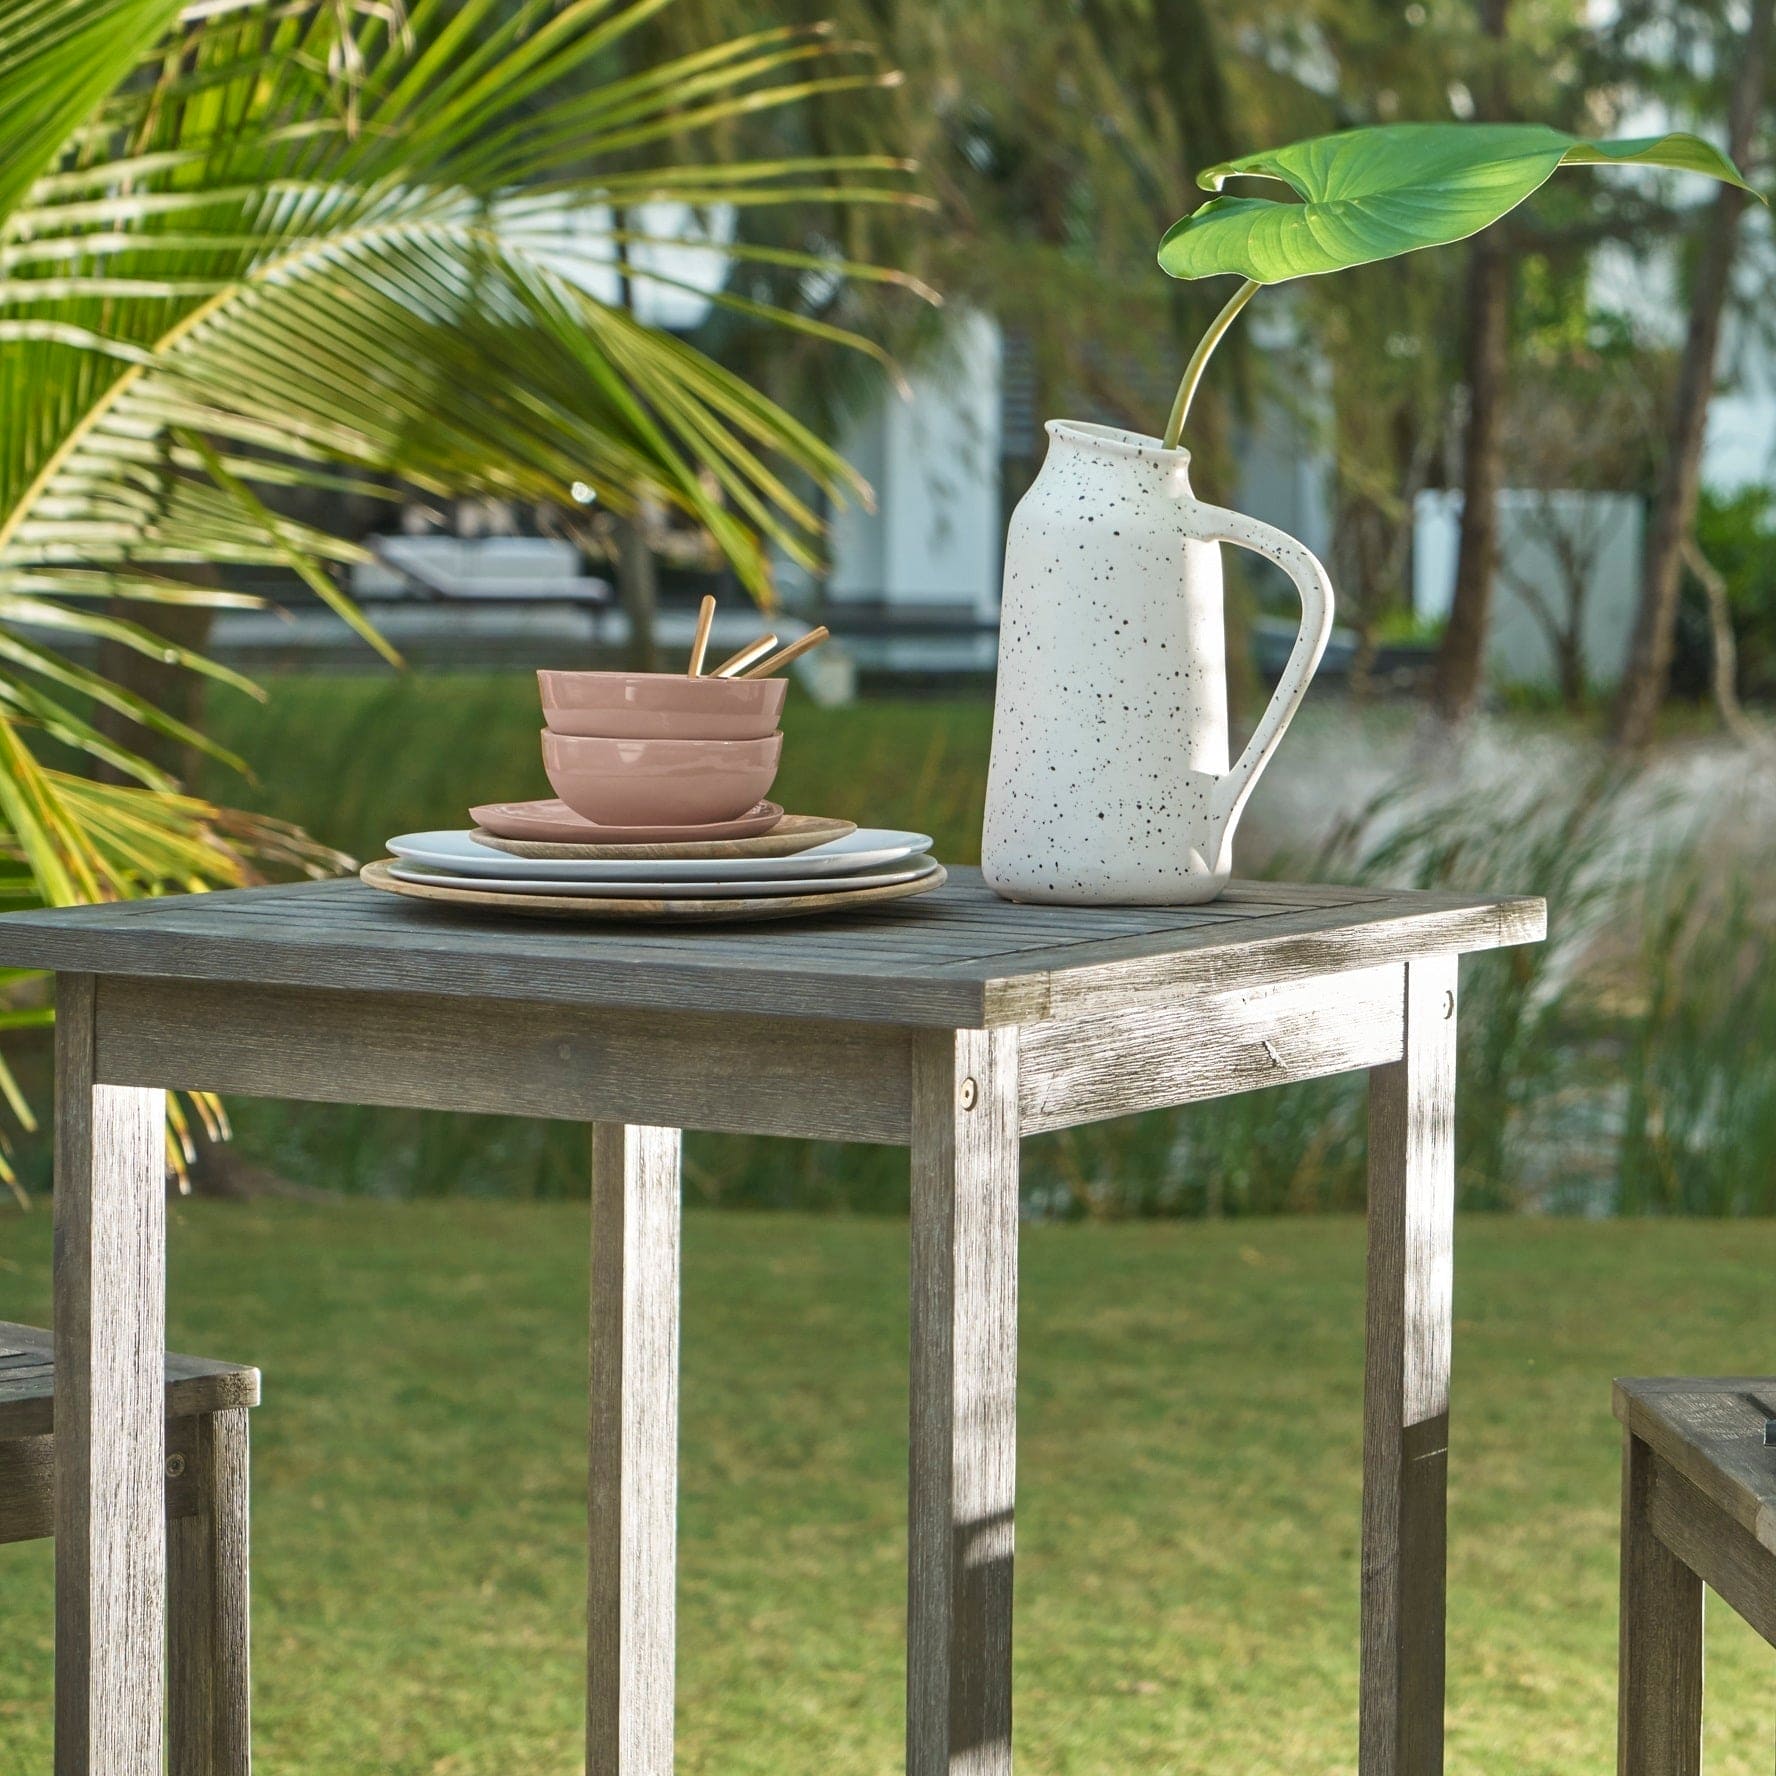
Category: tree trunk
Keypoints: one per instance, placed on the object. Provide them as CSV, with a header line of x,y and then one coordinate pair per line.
x,y
638,587
1726,650
175,689
1460,673
1461,660
637,580
1569,654
1648,672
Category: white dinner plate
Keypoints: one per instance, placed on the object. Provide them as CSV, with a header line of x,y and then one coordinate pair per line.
x,y
883,876
457,854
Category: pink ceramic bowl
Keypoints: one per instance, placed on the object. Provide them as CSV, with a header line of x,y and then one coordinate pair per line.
x,y
618,782
661,705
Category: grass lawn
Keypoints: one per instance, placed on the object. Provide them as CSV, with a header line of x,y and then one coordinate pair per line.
x,y
1188,1497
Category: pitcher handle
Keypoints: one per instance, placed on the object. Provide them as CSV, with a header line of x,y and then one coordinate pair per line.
x,y
1303,567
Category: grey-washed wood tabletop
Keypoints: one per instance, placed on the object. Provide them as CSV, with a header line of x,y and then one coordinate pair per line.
x,y
960,958
955,1024
1698,1511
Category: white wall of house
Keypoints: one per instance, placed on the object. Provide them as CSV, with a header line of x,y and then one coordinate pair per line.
x,y
1602,531
932,456
1285,478
676,265
1282,465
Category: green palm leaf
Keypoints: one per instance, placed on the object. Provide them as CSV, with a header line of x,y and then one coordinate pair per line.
x,y
56,63
277,282
275,246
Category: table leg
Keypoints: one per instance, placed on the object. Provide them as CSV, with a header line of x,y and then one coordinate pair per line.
x,y
634,1471
1659,1683
963,1403
209,1632
110,1445
1406,1384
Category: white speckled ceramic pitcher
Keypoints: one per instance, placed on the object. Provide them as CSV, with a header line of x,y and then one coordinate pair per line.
x,y
1109,778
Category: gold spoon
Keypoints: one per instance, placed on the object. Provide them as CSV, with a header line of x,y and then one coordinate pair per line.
x,y
700,641
754,650
794,651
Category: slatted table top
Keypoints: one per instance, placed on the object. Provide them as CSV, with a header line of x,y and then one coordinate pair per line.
x,y
1711,1429
959,958
27,1383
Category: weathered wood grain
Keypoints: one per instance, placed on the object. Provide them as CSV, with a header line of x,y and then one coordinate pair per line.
x,y
205,1503
27,1481
1726,1557
820,1079
209,1634
1165,968
715,1072
866,1028
1406,1384
1711,1430
110,1336
955,959
27,1383
27,1488
963,1441
1088,1068
1659,1681
634,1450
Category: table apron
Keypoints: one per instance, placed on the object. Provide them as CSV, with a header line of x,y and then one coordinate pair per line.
x,y
27,1486
704,1070
1087,1069
808,1078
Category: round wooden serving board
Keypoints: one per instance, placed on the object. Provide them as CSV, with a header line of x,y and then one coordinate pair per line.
x,y
793,833
655,912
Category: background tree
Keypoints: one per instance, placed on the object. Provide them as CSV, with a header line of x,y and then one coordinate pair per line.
x,y
1581,427
1380,335
1055,141
1672,523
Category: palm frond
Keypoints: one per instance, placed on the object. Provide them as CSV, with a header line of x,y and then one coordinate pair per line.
x,y
256,247
57,62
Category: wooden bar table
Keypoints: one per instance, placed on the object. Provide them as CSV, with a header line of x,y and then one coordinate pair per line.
x,y
951,1024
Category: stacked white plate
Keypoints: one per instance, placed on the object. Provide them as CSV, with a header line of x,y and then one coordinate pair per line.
x,y
870,857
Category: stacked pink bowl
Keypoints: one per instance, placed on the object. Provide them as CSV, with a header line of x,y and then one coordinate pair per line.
x,y
660,748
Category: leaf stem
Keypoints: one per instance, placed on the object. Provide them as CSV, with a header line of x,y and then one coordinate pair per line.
x,y
1199,360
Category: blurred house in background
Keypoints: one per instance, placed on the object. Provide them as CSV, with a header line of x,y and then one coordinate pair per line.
x,y
912,585
1568,581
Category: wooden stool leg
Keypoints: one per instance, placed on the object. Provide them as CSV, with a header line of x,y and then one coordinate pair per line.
x,y
964,1403
1659,1684
110,1441
209,1634
634,1471
1406,1385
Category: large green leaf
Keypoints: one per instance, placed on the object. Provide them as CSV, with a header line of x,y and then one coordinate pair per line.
x,y
1371,194
57,62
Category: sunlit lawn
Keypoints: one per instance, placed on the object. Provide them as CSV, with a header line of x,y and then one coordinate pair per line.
x,y
1188,1487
